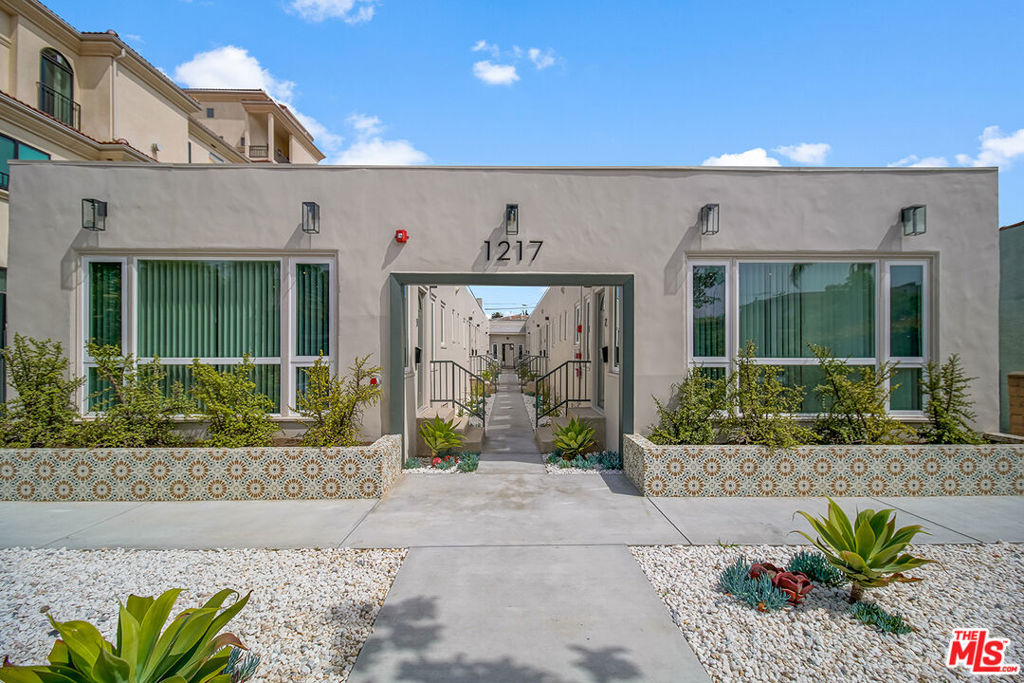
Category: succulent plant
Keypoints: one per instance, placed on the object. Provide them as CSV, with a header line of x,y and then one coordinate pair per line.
x,y
759,593
440,435
574,438
866,551
873,615
816,567
794,585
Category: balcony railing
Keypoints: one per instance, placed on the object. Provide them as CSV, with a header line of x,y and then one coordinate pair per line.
x,y
259,151
280,158
60,106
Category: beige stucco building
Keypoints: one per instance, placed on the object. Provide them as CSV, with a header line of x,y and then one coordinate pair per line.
x,y
799,255
258,126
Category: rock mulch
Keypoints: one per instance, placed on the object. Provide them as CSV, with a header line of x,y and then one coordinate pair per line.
x,y
979,586
309,614
531,412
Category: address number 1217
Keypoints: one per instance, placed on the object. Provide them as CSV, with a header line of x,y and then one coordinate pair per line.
x,y
500,250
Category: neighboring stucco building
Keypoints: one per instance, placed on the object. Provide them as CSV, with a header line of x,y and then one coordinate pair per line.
x,y
797,255
257,126
508,339
1011,310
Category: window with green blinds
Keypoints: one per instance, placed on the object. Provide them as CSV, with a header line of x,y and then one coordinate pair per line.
x,y
905,295
209,309
786,306
312,309
105,303
709,311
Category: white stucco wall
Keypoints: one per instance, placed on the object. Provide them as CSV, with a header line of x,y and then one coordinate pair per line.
x,y
637,221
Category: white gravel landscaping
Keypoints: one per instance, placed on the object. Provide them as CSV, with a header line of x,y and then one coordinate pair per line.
x,y
979,586
531,412
309,614
553,468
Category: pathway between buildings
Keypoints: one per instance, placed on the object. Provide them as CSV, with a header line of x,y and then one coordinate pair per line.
x,y
509,446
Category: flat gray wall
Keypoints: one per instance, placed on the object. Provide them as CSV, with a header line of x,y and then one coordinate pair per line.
x,y
635,220
1011,312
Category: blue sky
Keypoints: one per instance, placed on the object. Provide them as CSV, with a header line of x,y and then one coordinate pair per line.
x,y
869,83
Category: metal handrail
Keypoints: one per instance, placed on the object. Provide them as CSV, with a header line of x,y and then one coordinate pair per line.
x,y
479,362
59,106
259,151
535,364
566,384
452,383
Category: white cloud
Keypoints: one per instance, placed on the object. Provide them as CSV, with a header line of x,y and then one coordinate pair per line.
x,y
914,161
805,152
996,149
349,11
495,74
484,46
752,157
365,125
371,149
542,60
131,38
378,152
231,67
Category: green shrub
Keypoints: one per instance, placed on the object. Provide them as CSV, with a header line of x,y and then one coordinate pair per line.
x,y
854,403
574,438
440,435
336,404
237,415
191,649
42,412
873,615
761,407
948,406
689,417
867,551
133,409
815,567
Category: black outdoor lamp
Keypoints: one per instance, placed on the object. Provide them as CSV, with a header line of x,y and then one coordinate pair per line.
x,y
914,220
709,219
94,215
511,219
311,218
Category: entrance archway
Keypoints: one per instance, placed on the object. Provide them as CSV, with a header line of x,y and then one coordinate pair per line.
x,y
395,367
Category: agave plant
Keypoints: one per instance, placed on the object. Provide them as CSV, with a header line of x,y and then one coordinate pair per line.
x,y
190,650
868,551
574,438
440,435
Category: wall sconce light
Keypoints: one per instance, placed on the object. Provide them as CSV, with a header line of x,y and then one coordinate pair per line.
x,y
914,220
94,215
709,219
311,218
511,219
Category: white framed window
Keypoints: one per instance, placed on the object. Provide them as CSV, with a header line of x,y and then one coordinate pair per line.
x,y
441,330
617,329
867,310
277,309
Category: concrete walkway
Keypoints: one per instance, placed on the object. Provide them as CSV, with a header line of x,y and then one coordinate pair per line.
x,y
509,447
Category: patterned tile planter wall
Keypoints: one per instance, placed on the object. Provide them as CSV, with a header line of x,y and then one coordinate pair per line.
x,y
996,469
145,474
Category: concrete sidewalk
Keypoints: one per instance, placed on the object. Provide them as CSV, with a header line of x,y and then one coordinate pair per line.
x,y
444,510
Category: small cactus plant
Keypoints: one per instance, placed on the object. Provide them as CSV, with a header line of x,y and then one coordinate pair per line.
x,y
794,585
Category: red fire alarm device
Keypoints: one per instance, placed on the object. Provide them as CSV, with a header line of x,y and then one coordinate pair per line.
x,y
373,381
579,355
401,236
579,328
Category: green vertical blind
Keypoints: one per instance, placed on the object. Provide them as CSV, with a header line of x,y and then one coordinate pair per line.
x,y
209,309
709,311
786,306
312,309
105,303
906,286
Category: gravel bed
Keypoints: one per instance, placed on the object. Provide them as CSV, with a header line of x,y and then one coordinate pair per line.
x,y
531,413
309,614
555,469
434,470
975,585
